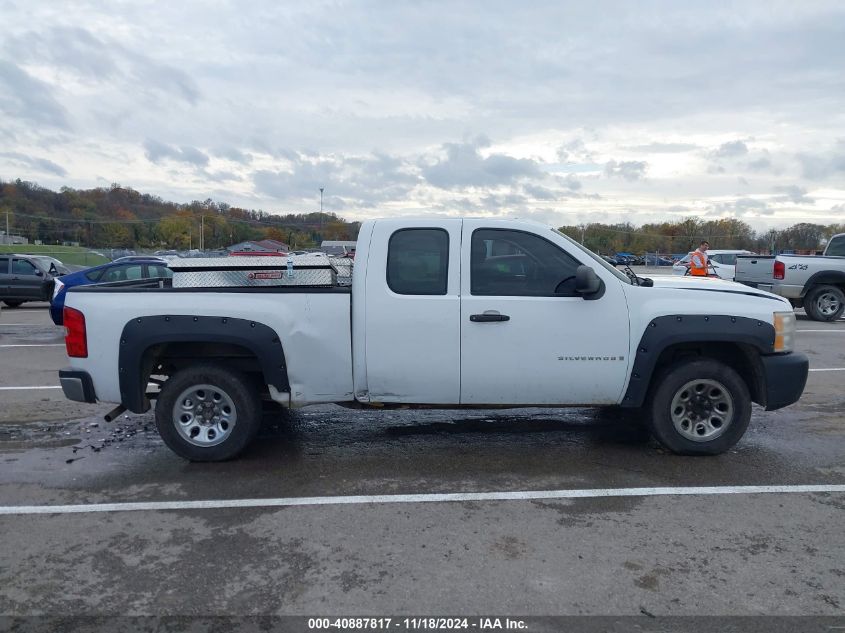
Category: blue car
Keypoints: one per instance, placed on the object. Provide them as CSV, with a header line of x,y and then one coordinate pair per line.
x,y
135,268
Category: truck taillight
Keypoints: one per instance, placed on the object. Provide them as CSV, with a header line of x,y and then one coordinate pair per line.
x,y
780,270
76,339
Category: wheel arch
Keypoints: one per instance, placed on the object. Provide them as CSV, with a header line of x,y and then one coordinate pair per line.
x,y
177,340
824,278
736,341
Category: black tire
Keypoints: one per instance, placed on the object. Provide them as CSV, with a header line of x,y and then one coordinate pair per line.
x,y
690,426
825,303
237,393
12,304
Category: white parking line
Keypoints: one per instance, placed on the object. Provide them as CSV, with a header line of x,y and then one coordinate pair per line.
x,y
34,345
834,331
525,495
28,388
830,369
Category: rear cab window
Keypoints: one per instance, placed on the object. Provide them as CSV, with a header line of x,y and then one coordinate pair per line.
x,y
418,261
159,272
836,247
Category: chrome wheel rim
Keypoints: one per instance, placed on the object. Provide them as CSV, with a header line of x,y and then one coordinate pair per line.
x,y
204,415
702,410
827,303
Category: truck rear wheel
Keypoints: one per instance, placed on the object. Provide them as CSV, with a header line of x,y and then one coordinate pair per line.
x,y
207,413
825,303
699,407
11,303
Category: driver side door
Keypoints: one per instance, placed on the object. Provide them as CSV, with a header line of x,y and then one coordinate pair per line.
x,y
526,336
26,280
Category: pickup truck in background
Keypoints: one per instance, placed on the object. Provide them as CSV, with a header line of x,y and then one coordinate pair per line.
x,y
471,313
816,283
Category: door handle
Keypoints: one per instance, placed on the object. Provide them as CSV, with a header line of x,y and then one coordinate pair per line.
x,y
488,317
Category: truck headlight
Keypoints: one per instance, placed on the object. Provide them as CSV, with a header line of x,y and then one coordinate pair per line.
x,y
784,331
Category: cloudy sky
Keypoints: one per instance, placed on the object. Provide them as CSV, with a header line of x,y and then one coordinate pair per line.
x,y
562,111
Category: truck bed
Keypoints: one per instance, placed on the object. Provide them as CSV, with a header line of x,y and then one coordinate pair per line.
x,y
314,323
754,270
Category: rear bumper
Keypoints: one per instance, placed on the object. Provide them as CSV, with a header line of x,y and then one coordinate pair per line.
x,y
77,385
785,376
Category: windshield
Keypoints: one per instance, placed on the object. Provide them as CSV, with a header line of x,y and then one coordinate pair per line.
x,y
620,275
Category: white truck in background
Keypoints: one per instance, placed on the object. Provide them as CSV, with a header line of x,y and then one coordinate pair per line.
x,y
816,283
473,313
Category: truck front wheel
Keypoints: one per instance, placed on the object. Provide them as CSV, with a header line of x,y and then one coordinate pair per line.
x,y
207,413
825,303
699,407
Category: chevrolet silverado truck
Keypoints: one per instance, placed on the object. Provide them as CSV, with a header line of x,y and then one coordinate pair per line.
x,y
449,313
816,283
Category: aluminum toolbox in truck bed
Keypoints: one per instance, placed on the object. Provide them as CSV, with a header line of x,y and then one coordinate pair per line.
x,y
296,270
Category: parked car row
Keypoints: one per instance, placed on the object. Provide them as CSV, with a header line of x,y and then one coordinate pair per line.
x,y
627,259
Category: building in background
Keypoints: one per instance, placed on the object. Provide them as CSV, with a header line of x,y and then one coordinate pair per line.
x,y
12,239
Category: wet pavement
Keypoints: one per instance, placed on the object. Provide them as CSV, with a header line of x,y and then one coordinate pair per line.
x,y
778,554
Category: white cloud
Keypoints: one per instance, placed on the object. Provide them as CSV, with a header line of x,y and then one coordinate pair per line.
x,y
387,105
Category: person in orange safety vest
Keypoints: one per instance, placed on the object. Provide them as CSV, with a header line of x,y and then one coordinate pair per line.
x,y
698,262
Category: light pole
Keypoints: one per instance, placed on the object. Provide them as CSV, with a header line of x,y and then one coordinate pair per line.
x,y
321,208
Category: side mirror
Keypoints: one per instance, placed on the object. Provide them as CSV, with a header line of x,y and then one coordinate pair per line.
x,y
38,273
588,284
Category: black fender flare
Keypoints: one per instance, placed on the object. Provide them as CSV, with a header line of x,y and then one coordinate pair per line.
x,y
666,331
141,333
824,277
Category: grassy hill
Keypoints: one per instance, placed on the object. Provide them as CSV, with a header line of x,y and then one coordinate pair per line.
x,y
74,255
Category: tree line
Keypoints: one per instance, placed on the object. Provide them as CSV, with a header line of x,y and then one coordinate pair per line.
x,y
120,217
685,235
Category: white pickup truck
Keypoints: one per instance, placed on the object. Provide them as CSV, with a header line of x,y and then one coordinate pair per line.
x,y
816,283
470,313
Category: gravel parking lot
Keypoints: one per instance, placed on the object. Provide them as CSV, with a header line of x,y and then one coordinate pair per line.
x,y
657,552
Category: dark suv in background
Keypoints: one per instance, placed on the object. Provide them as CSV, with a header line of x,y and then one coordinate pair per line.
x,y
24,278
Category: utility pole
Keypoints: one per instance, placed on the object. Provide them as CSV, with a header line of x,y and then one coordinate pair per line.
x,y
583,233
321,210
7,225
202,232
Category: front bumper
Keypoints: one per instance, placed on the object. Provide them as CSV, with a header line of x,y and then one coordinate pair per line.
x,y
77,385
785,376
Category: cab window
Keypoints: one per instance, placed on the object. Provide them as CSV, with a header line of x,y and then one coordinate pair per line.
x,y
418,262
23,267
836,248
160,272
121,273
514,263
